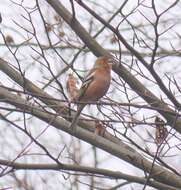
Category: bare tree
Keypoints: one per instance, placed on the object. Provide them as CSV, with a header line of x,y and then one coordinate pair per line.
x,y
130,139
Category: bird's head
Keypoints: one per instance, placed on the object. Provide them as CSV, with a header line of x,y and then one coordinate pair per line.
x,y
104,62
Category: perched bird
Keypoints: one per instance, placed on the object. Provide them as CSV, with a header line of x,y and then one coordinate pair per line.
x,y
95,84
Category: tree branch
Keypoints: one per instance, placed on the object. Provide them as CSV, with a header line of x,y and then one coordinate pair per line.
x,y
120,150
87,170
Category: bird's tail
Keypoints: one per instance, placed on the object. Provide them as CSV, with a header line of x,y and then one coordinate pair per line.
x,y
76,117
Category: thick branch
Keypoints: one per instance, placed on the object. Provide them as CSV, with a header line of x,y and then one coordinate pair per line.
x,y
88,170
120,150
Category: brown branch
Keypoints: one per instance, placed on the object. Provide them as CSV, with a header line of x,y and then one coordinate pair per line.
x,y
120,150
87,170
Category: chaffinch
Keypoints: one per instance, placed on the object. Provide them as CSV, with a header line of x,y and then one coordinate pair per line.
x,y
95,84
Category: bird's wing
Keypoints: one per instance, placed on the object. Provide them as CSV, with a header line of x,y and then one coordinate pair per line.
x,y
86,82
88,79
